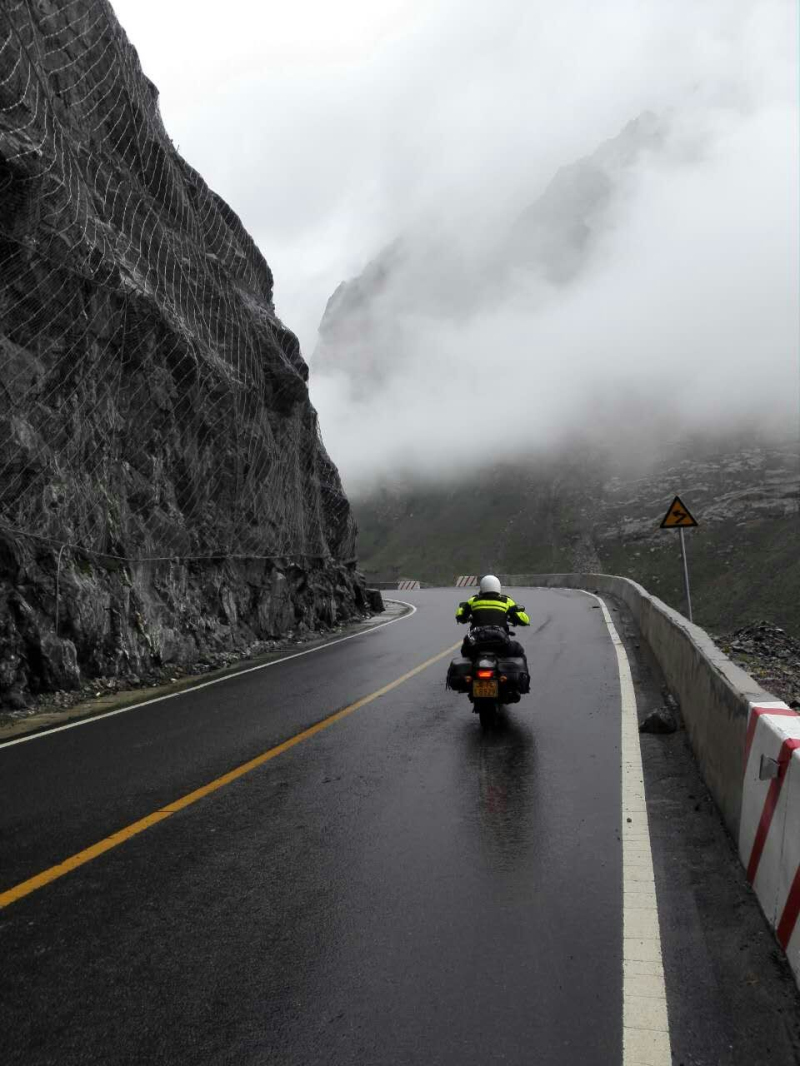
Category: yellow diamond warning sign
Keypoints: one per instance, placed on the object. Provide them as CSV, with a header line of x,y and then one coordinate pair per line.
x,y
678,516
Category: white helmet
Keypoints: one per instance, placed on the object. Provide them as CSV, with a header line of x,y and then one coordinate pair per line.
x,y
489,584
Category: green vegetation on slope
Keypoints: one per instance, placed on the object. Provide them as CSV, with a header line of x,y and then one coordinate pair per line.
x,y
566,514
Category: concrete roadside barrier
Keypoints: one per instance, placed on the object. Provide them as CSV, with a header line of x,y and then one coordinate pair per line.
x,y
395,586
745,741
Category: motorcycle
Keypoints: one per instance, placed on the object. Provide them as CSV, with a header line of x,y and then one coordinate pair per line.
x,y
490,676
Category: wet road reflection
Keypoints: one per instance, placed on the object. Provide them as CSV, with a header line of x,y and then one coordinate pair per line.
x,y
403,888
503,760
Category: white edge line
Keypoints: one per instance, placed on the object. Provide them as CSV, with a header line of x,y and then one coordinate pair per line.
x,y
645,1017
205,684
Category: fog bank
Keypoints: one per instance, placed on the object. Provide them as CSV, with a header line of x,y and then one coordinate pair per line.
x,y
645,280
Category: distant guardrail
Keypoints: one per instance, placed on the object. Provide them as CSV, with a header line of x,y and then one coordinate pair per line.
x,y
401,585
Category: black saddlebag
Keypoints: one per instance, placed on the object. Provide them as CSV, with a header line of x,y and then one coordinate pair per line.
x,y
457,673
514,670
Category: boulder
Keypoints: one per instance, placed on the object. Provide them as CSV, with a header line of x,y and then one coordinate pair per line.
x,y
659,721
59,668
375,601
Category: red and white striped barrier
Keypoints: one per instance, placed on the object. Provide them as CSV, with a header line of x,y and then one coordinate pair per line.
x,y
404,585
465,582
769,835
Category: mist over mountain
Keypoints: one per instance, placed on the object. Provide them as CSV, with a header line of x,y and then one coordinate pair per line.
x,y
648,288
555,237
367,333
535,388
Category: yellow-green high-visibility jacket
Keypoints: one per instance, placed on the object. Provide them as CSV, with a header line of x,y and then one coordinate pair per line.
x,y
491,609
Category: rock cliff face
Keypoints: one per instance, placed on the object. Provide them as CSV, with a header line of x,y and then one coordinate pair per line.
x,y
163,486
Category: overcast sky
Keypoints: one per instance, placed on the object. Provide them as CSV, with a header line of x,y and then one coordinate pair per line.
x,y
332,129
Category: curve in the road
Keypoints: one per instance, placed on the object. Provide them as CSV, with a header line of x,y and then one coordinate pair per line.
x,y
405,888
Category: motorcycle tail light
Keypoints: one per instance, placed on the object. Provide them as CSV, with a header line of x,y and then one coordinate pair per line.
x,y
486,673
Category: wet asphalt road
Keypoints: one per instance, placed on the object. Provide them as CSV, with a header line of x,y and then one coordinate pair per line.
x,y
400,888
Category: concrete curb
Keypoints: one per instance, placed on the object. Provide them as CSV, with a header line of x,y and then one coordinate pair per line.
x,y
746,742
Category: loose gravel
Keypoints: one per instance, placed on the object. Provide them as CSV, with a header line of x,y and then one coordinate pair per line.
x,y
769,654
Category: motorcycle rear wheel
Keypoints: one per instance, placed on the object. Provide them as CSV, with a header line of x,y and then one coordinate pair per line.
x,y
487,712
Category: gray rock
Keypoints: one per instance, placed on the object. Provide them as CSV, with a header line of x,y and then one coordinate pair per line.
x,y
17,700
375,601
9,665
670,702
59,664
659,721
174,453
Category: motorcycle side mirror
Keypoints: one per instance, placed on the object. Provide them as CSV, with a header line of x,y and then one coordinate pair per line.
x,y
520,606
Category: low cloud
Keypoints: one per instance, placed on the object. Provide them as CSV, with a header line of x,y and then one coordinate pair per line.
x,y
667,299
662,301
682,311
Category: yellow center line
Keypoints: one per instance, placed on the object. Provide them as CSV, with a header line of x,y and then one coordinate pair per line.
x,y
24,888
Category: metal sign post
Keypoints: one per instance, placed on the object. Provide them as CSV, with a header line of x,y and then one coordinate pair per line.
x,y
686,574
678,517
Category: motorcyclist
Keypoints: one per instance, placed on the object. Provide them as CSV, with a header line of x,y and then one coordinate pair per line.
x,y
491,608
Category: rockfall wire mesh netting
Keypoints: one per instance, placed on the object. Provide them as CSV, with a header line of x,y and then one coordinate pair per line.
x,y
151,403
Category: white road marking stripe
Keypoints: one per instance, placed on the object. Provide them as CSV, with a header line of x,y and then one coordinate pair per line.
x,y
206,684
645,1022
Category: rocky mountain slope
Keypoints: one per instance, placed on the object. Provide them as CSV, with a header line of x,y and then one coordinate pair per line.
x,y
163,486
584,509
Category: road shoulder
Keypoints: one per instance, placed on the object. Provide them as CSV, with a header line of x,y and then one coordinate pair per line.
x,y
49,715
731,995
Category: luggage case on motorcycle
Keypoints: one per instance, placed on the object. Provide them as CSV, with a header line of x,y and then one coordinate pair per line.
x,y
457,673
514,670
488,638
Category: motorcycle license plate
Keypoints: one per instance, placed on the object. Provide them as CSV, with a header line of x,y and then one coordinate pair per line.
x,y
485,690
